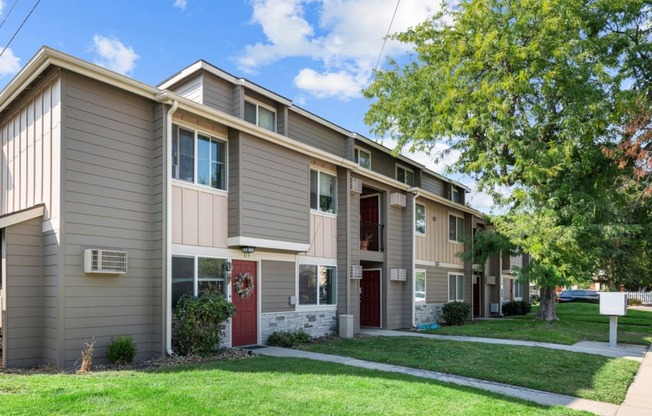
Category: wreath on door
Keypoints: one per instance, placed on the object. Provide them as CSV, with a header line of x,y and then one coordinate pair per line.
x,y
244,285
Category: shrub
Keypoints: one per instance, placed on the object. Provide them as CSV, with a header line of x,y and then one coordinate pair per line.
x,y
288,339
634,302
199,329
516,307
455,313
87,356
535,299
121,350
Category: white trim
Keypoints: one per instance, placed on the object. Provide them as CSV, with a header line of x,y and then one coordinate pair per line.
x,y
425,285
438,264
258,104
318,263
231,253
449,227
195,161
335,199
446,202
380,270
323,214
199,187
21,216
425,223
51,224
448,295
405,168
453,191
264,243
314,308
358,149
321,261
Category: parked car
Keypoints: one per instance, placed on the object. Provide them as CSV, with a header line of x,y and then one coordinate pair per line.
x,y
580,295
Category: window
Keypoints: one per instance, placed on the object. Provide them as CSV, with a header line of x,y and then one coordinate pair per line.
x,y
316,285
322,191
455,228
260,116
455,194
420,220
518,290
197,275
456,287
420,286
404,175
362,158
207,166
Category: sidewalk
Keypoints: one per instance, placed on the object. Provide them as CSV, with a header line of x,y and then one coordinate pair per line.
x,y
638,401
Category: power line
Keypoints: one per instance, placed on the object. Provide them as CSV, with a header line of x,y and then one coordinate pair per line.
x,y
20,27
8,13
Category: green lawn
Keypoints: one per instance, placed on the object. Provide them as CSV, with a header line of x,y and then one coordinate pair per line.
x,y
257,386
580,375
578,322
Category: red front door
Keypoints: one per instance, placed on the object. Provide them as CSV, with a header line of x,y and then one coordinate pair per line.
x,y
369,219
370,298
244,330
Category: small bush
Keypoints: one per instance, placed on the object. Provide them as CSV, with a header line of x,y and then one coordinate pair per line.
x,y
516,307
455,313
200,323
87,356
535,299
634,302
121,350
288,339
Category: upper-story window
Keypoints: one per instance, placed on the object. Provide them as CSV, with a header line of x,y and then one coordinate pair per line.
x,y
404,175
260,115
420,219
455,195
455,228
198,158
362,157
322,191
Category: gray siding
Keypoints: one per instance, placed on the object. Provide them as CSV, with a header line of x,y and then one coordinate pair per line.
x,y
234,183
354,257
50,302
273,192
23,289
398,300
303,129
433,184
383,163
190,88
108,204
157,218
278,282
343,243
218,93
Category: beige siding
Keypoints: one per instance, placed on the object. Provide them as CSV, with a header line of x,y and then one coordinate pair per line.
x,y
435,246
200,124
199,216
30,135
23,290
310,132
278,281
108,204
323,235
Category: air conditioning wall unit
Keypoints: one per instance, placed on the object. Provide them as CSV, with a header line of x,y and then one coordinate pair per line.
x,y
398,275
355,185
495,308
105,261
491,280
356,272
397,199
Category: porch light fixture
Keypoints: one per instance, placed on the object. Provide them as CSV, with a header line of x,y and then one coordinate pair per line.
x,y
247,250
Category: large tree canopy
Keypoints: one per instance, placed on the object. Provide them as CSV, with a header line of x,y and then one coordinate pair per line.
x,y
546,103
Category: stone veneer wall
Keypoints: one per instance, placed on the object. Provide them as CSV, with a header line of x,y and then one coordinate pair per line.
x,y
427,313
315,323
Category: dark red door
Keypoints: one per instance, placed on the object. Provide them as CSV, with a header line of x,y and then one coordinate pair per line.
x,y
369,219
370,298
244,329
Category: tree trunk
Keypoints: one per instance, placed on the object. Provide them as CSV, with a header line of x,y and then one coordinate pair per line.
x,y
548,305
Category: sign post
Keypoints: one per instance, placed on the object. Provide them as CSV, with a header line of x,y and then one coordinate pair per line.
x,y
613,304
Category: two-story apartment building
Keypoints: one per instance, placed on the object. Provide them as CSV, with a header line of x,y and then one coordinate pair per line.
x,y
118,197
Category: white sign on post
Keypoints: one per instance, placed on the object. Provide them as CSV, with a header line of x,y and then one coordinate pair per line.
x,y
613,304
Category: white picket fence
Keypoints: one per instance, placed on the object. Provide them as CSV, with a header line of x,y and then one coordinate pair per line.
x,y
645,297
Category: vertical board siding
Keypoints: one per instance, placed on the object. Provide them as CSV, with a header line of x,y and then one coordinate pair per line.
x,y
433,184
435,246
303,129
23,293
323,236
278,282
218,93
29,162
274,192
108,203
199,216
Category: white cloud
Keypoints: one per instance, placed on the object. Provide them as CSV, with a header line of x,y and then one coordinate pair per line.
x,y
9,63
181,4
114,55
345,40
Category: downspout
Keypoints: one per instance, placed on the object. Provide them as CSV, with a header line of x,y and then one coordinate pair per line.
x,y
168,225
414,250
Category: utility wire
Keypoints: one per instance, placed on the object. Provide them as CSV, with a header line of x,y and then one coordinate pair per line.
x,y
20,27
380,55
8,13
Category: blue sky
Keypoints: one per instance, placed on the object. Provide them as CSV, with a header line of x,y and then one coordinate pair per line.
x,y
318,53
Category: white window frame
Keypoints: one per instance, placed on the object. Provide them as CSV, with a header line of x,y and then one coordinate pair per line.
x,y
195,282
317,305
318,209
425,223
196,134
518,287
458,277
356,156
455,195
457,237
258,105
425,285
404,175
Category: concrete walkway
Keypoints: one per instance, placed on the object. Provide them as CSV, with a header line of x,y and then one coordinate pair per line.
x,y
638,401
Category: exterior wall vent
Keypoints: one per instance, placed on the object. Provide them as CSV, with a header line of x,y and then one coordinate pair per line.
x,y
397,199
491,280
398,275
105,261
355,185
495,308
356,272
